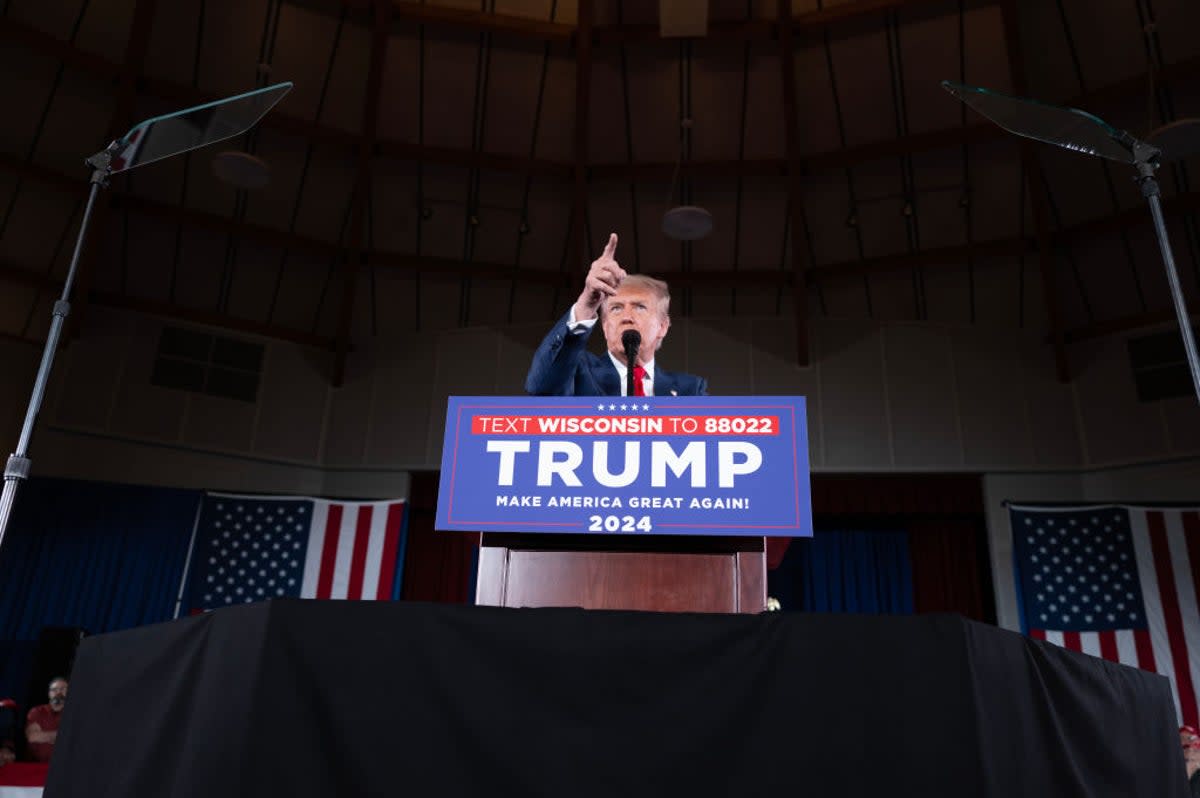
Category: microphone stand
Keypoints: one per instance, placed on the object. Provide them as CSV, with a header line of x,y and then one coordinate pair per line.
x,y
16,469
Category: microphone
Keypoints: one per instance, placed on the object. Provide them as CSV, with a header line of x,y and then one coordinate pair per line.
x,y
632,341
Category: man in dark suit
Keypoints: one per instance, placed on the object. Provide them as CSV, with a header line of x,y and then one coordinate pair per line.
x,y
562,366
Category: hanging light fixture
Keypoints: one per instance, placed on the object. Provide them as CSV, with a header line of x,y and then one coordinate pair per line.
x,y
684,222
241,169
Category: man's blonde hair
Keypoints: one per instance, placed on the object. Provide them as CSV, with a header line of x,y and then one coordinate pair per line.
x,y
656,287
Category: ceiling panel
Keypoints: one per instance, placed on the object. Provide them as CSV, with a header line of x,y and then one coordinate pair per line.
x,y
435,94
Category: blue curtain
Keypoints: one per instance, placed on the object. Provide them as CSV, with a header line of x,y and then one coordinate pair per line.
x,y
846,571
94,555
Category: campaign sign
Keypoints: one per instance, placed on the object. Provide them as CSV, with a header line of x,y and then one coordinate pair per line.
x,y
703,465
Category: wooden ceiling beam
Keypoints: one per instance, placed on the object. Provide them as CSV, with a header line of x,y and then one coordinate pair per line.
x,y
43,174
432,266
809,164
213,222
577,243
1103,329
1031,167
483,22
806,24
937,256
1173,205
208,318
462,19
136,46
42,282
797,222
360,207
473,159
69,53
323,134
19,339
282,239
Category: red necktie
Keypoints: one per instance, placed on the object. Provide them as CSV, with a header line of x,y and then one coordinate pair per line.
x,y
639,374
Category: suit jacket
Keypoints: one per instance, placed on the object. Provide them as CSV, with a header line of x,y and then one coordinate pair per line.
x,y
562,366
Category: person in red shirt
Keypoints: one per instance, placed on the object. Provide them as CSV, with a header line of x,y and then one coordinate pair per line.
x,y
1190,740
8,730
41,724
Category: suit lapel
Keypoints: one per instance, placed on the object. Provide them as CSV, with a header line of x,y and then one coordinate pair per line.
x,y
664,383
606,377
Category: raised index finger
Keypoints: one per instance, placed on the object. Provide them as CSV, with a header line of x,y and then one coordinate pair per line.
x,y
610,248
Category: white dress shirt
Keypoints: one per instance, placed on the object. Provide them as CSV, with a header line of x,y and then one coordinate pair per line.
x,y
647,381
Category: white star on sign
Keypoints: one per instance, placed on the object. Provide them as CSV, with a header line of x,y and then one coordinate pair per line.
x,y
612,407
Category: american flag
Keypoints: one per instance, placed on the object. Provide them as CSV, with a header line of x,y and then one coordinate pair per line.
x,y
1116,582
253,548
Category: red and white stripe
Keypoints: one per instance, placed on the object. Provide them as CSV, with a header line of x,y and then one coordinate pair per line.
x,y
352,549
1167,547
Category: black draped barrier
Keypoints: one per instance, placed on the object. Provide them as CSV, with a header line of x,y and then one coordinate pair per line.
x,y
304,698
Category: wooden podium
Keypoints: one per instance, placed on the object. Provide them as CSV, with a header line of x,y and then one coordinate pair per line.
x,y
623,572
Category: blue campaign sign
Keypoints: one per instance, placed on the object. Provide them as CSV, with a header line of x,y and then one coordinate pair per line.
x,y
703,465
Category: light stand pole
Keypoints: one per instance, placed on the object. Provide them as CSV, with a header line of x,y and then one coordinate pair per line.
x,y
1147,164
16,469
149,141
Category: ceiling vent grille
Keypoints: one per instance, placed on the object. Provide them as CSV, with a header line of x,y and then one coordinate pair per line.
x,y
1159,363
199,362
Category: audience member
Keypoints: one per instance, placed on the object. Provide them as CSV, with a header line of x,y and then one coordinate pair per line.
x,y
8,731
41,724
1190,741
